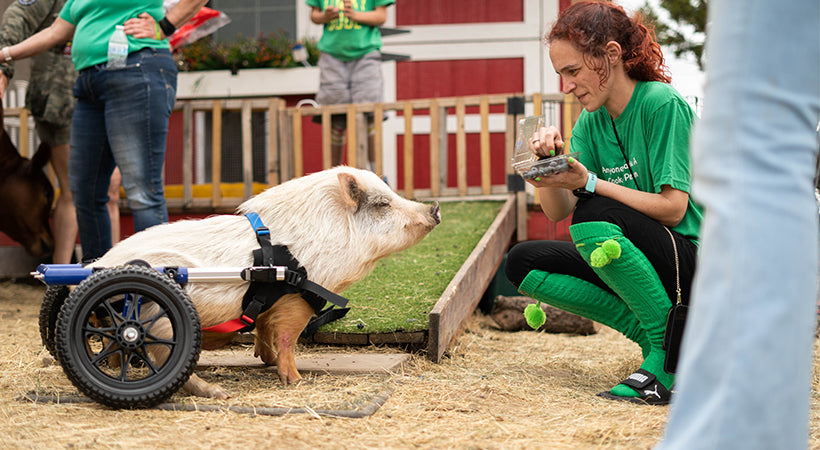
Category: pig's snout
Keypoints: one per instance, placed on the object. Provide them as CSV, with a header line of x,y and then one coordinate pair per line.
x,y
435,212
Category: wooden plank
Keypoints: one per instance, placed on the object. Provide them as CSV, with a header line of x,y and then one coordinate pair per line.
x,y
334,363
378,138
362,144
298,164
464,292
537,104
408,150
443,146
327,161
247,149
22,148
285,144
216,154
461,148
187,154
352,137
567,128
435,167
484,109
273,141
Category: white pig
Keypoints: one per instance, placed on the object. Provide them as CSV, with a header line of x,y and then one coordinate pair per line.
x,y
337,223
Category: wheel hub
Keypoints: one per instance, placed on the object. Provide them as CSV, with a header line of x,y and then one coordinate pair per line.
x,y
131,334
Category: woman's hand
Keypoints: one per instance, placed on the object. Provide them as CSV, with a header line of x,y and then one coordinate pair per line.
x,y
143,27
546,141
574,178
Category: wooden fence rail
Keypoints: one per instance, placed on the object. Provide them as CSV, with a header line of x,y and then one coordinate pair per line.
x,y
285,143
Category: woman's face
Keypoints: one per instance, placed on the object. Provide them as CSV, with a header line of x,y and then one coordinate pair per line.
x,y
577,77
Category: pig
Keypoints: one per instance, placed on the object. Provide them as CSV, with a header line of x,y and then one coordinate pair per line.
x,y
337,223
26,197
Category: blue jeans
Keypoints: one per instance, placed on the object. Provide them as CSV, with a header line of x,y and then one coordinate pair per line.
x,y
744,379
121,119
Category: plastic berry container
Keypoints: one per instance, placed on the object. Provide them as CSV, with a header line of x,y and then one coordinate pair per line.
x,y
526,163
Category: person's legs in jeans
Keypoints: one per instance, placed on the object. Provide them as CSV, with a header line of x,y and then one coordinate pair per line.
x,y
89,168
138,103
744,378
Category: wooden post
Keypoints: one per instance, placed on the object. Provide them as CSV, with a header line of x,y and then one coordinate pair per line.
x,y
408,149
461,148
567,128
285,144
273,142
187,155
443,146
378,137
435,168
327,161
247,149
352,145
216,154
298,164
484,110
23,147
362,154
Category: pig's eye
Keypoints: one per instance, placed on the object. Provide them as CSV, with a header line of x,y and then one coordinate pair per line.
x,y
383,204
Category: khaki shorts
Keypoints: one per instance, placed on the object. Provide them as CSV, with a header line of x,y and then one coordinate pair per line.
x,y
53,135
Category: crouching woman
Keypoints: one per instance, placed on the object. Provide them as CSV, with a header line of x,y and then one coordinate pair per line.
x,y
634,227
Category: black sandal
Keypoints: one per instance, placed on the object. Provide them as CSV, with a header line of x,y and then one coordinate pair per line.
x,y
645,383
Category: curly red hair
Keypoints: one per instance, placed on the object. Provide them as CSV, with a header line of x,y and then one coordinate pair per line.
x,y
589,25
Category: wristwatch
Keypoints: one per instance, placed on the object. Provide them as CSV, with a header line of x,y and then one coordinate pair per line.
x,y
588,190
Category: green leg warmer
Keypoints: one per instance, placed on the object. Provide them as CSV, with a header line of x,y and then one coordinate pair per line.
x,y
583,298
625,269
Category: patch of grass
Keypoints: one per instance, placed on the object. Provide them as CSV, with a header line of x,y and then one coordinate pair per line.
x,y
403,288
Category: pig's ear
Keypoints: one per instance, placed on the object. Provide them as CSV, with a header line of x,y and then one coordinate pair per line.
x,y
351,193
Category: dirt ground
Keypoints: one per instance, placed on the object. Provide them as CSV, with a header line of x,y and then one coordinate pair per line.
x,y
495,389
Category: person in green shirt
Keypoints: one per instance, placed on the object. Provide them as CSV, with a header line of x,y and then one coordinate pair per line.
x,y
634,228
350,65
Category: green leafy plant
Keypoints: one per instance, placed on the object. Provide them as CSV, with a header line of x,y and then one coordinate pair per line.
x,y
272,51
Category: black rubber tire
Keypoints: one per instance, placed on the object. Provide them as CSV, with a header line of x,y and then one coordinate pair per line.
x,y
103,347
53,300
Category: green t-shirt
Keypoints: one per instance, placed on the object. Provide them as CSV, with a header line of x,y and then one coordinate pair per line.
x,y
94,22
654,130
347,40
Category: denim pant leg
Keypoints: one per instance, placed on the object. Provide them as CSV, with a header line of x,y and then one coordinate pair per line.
x,y
138,102
745,370
90,166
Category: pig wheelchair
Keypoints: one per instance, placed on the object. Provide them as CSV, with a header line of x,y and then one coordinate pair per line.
x,y
129,336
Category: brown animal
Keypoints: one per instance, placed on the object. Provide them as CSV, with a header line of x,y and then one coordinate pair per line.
x,y
337,223
26,196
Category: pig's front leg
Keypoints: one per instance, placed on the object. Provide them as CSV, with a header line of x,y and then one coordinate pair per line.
x,y
277,332
201,388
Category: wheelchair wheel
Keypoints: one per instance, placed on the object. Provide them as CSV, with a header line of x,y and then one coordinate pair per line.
x,y
128,337
49,310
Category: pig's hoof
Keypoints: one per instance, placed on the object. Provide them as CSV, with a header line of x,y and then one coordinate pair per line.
x,y
213,391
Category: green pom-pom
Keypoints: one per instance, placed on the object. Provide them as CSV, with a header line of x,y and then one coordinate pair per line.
x,y
612,248
598,258
535,315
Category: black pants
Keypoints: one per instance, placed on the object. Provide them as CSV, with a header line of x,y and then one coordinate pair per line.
x,y
645,233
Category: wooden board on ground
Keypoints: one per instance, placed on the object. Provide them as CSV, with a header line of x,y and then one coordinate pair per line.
x,y
333,363
461,297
